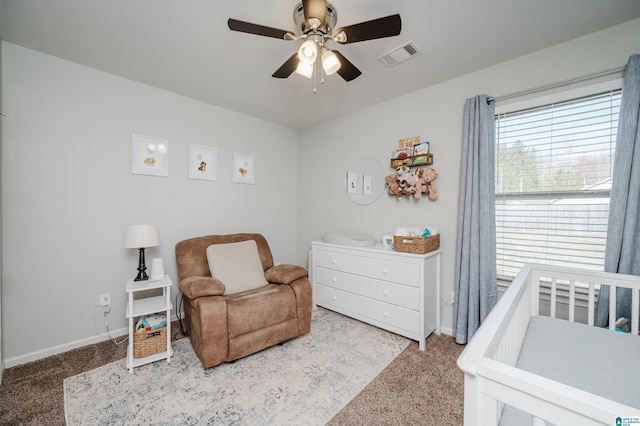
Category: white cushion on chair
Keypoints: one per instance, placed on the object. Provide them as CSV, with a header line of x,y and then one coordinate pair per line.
x,y
237,265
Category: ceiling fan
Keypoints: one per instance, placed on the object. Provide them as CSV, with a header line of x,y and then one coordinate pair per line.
x,y
315,21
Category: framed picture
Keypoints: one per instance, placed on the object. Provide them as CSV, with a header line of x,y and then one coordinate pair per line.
x,y
244,168
367,182
150,155
203,162
352,183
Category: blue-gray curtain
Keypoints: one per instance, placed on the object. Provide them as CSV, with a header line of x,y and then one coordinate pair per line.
x,y
475,275
622,253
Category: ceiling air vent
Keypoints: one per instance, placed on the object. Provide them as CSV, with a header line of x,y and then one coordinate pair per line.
x,y
400,54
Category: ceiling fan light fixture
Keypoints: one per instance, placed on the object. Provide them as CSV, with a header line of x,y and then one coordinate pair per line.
x,y
315,12
330,62
314,23
308,52
340,37
305,69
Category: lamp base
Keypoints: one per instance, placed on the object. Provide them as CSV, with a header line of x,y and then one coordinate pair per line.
x,y
142,269
141,277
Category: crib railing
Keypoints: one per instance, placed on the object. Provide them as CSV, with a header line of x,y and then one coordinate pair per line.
x,y
489,359
592,281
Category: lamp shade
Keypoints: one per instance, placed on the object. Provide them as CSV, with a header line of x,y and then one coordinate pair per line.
x,y
330,62
141,236
305,69
308,52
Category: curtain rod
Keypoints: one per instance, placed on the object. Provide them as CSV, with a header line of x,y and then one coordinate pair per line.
x,y
559,83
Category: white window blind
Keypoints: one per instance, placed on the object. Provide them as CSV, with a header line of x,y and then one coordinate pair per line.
x,y
553,179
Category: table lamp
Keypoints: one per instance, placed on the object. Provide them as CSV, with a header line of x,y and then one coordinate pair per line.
x,y
141,237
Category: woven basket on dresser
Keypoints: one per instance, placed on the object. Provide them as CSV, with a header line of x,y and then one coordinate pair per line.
x,y
416,245
149,342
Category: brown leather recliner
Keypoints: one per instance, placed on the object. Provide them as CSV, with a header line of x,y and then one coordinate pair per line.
x,y
224,327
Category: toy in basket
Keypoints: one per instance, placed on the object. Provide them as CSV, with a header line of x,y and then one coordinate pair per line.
x,y
416,240
150,336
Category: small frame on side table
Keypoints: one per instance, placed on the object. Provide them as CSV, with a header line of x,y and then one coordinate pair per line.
x,y
146,306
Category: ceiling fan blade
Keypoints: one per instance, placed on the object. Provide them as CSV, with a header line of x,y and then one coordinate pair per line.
x,y
287,68
347,70
377,28
315,12
261,30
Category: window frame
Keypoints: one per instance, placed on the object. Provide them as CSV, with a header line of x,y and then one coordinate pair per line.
x,y
556,96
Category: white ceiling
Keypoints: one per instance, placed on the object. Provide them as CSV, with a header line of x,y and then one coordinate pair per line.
x,y
185,46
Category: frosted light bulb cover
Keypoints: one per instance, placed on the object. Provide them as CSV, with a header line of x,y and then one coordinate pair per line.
x,y
305,69
308,52
330,62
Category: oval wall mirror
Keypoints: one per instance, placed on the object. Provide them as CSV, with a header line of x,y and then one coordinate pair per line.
x,y
364,180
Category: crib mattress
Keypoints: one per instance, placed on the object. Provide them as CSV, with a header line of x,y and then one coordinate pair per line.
x,y
592,359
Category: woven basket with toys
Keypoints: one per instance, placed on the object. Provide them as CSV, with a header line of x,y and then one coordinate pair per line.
x,y
416,240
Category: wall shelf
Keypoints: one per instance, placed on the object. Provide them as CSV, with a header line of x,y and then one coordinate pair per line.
x,y
413,161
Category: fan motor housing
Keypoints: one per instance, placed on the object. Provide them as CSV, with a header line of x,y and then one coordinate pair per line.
x,y
329,21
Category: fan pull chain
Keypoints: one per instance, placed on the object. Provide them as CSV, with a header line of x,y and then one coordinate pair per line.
x,y
320,67
315,76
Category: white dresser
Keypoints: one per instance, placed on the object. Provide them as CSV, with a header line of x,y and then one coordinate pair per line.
x,y
399,292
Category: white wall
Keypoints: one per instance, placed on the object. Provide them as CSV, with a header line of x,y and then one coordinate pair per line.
x,y
1,357
69,193
436,114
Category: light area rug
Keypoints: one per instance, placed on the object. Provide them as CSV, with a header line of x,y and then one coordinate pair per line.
x,y
305,381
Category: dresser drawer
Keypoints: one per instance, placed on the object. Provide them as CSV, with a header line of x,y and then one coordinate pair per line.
x,y
385,291
390,270
337,261
332,298
392,315
336,279
395,291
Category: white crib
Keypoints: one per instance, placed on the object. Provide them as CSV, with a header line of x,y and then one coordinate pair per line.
x,y
492,379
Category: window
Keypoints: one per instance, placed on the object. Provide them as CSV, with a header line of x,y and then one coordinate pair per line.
x,y
553,179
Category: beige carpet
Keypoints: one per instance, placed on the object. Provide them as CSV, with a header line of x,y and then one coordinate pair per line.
x,y
416,388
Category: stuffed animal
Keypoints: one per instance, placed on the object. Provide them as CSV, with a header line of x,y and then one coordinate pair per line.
x,y
403,173
392,183
406,180
420,184
412,183
433,191
410,189
428,177
425,184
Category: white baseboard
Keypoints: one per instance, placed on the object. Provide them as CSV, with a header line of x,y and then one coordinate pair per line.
x,y
55,350
446,330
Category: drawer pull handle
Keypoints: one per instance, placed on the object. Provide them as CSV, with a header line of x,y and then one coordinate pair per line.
x,y
385,292
385,314
385,271
334,279
334,261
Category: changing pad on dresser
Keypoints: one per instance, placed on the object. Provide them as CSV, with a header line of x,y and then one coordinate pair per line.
x,y
352,239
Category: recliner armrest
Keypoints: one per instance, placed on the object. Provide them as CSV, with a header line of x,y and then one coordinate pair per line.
x,y
285,274
194,287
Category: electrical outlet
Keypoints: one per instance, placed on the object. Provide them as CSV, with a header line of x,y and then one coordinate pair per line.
x,y
105,299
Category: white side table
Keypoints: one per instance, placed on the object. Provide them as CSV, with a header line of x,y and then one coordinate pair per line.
x,y
146,306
